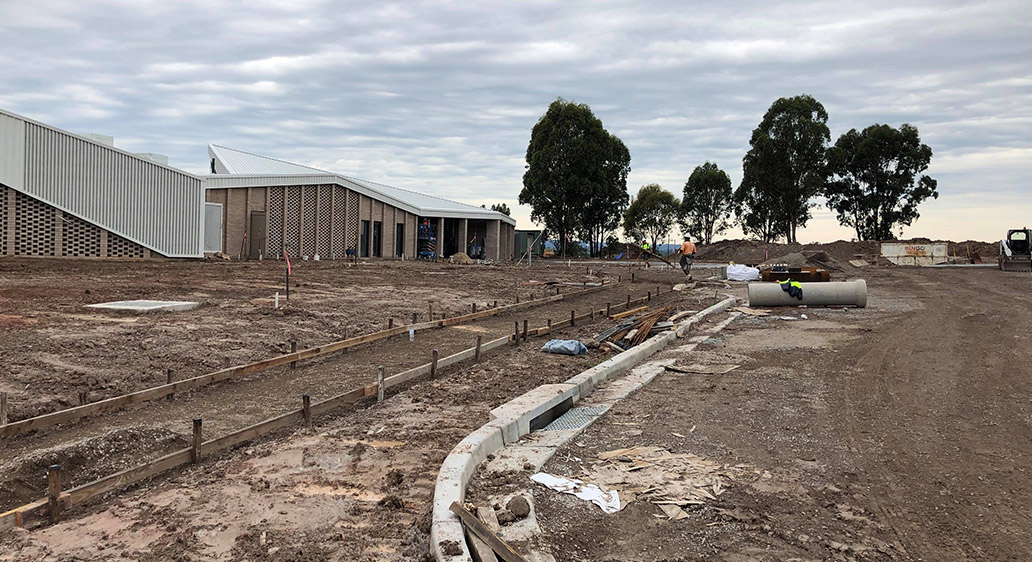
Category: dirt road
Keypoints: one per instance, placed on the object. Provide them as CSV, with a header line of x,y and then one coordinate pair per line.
x,y
938,412
900,432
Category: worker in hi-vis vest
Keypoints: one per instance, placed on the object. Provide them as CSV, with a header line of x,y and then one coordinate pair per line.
x,y
687,251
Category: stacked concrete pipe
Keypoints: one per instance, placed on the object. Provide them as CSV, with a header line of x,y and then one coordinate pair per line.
x,y
845,293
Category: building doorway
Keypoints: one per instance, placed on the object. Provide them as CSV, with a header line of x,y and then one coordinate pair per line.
x,y
377,239
363,240
256,235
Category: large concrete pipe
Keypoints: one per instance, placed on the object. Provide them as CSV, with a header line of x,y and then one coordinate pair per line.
x,y
846,293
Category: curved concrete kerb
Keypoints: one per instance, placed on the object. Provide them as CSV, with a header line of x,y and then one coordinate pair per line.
x,y
512,420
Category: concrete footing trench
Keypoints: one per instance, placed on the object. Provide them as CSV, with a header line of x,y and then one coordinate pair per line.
x,y
499,440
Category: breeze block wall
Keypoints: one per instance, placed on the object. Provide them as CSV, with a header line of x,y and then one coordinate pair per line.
x,y
29,227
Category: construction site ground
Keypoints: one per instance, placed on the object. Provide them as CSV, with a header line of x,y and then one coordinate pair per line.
x,y
896,432
356,487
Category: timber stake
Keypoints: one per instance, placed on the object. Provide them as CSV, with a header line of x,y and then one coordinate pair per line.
x,y
306,409
195,455
168,380
433,364
476,354
54,492
379,384
293,349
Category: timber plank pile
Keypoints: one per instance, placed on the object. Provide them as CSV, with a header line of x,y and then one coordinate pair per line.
x,y
635,329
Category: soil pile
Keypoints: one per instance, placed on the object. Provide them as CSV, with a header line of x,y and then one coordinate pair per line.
x,y
756,252
810,258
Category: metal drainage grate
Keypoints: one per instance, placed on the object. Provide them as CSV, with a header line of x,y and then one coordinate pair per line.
x,y
575,418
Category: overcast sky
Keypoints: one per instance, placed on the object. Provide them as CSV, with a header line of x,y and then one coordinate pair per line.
x,y
441,96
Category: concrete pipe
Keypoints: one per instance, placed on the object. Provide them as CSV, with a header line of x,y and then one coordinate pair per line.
x,y
847,293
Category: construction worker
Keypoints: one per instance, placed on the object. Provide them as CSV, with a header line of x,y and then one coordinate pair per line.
x,y
645,252
687,251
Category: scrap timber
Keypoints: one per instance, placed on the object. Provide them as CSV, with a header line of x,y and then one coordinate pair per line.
x,y
636,328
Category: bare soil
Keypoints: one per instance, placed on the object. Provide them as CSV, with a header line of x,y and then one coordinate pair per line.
x,y
356,487
898,432
53,348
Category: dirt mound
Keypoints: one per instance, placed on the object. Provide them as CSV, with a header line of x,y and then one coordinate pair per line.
x,y
811,258
836,254
969,249
85,461
756,252
460,258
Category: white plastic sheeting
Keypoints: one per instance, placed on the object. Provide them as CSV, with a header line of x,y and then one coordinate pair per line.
x,y
737,272
608,501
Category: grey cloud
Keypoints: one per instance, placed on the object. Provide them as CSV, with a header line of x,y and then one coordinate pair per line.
x,y
442,96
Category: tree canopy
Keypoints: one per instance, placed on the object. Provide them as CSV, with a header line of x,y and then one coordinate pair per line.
x,y
501,208
785,168
576,177
603,209
876,187
707,203
651,214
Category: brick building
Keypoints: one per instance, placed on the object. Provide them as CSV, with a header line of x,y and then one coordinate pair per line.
x,y
268,205
68,195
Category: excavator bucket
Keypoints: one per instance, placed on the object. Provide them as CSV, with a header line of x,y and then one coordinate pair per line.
x,y
1015,263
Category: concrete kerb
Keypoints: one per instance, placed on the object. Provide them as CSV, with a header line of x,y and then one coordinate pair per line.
x,y
511,421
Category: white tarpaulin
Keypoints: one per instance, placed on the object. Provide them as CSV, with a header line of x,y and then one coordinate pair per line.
x,y
737,272
608,501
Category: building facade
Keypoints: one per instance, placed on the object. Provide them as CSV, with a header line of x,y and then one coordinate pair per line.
x,y
64,195
269,206
67,195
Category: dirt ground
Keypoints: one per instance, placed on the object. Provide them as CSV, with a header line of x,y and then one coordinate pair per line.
x,y
897,432
356,487
53,348
101,445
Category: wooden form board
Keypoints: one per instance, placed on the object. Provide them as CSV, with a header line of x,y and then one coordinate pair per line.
x,y
119,402
182,457
600,313
478,528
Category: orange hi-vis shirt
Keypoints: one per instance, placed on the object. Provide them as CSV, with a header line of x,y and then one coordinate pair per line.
x,y
688,248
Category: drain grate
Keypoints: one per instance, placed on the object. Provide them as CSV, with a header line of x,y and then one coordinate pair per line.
x,y
575,418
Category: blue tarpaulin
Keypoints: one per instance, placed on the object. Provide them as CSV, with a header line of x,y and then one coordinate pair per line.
x,y
565,347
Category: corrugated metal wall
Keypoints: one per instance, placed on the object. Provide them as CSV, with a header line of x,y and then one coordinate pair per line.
x,y
12,151
155,206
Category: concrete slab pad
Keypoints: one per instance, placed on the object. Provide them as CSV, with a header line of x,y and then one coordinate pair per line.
x,y
146,306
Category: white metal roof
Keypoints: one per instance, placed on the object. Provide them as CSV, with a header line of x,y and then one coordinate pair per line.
x,y
233,161
246,169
